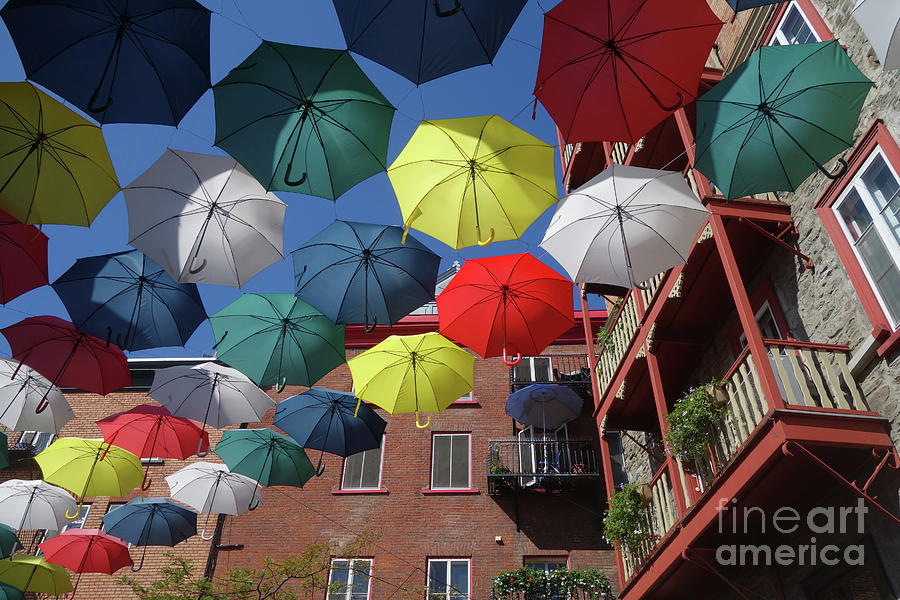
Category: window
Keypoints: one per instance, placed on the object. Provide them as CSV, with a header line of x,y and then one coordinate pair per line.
x,y
110,507
450,460
350,579
547,565
533,368
38,440
448,579
76,523
794,28
466,399
768,327
362,471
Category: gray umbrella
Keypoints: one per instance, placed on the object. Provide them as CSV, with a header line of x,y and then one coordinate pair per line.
x,y
880,21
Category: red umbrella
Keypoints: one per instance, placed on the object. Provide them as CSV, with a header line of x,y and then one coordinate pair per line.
x,y
611,70
506,304
23,258
86,551
67,357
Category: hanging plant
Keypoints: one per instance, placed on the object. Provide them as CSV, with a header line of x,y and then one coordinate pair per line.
x,y
527,582
624,523
690,421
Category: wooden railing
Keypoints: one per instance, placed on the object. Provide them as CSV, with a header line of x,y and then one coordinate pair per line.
x,y
621,332
653,284
659,518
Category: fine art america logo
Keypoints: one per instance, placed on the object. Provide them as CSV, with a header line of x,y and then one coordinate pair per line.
x,y
820,520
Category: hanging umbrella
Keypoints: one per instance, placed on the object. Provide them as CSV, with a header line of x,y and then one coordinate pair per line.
x,y
376,277
89,468
426,39
204,219
128,298
8,592
4,451
212,394
9,541
150,522
613,70
23,258
544,405
147,431
212,488
54,166
328,420
134,61
624,226
506,304
778,117
86,551
266,456
66,356
324,126
413,373
456,177
34,574
880,21
277,339
22,389
34,504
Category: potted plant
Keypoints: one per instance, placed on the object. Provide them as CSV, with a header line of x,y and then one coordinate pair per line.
x,y
689,424
646,494
715,389
624,523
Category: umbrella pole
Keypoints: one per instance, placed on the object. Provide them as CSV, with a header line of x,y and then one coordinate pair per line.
x,y
80,569
640,286
145,484
21,389
366,327
144,531
87,482
212,391
518,358
27,508
211,501
307,105
840,172
262,470
319,467
490,239
416,388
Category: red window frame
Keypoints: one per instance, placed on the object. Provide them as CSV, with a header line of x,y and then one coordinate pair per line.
x,y
811,14
877,136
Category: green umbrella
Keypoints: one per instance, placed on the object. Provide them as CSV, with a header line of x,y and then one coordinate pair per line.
x,y
266,456
8,592
34,574
277,339
778,117
9,541
303,119
4,450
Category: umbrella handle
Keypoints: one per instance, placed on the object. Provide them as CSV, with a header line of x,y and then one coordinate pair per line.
x,y
487,241
146,483
77,512
421,426
289,181
840,172
92,103
42,405
198,269
446,13
141,564
199,446
254,502
356,412
320,468
513,362
672,108
372,328
279,386
203,531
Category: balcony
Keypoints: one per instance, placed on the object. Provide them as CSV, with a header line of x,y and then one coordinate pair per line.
x,y
568,369
540,465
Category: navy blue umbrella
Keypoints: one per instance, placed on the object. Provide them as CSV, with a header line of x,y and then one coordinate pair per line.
x,y
739,5
121,61
328,420
128,299
151,522
425,39
362,273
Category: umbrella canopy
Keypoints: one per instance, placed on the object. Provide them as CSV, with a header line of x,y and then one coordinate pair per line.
x,y
377,277
504,305
151,522
67,357
422,39
128,298
122,61
277,339
34,574
456,177
613,70
23,258
544,405
9,541
413,373
880,21
624,226
204,219
22,389
8,592
87,551
328,420
323,124
266,456
213,488
210,393
778,117
4,451
34,504
54,166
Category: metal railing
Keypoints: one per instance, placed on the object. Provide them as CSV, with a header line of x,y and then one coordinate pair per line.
x,y
570,369
540,463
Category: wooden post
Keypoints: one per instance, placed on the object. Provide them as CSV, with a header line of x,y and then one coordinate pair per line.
x,y
659,397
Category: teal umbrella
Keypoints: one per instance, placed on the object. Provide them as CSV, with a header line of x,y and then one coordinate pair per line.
x,y
8,592
9,541
276,339
303,119
779,117
4,450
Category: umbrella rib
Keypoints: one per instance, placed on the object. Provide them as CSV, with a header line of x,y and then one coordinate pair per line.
x,y
341,126
142,50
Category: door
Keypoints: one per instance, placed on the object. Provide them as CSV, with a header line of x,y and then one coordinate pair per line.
x,y
527,456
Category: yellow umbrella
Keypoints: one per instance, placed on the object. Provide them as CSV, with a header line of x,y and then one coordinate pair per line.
x,y
457,177
34,574
90,468
412,373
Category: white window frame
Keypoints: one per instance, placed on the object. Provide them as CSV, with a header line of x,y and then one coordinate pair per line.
x,y
882,229
446,594
380,471
36,435
544,563
779,35
348,593
76,523
450,434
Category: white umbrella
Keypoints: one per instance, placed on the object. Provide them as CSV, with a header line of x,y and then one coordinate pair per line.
x,y
204,219
210,393
22,391
34,504
880,21
624,226
213,488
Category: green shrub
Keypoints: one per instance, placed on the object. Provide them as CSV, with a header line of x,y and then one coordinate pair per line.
x,y
624,521
689,422
527,582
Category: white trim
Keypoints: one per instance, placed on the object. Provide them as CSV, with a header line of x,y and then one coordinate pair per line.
x,y
450,434
348,595
380,469
778,35
446,594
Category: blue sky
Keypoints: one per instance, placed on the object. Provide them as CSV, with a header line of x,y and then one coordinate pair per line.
x,y
503,88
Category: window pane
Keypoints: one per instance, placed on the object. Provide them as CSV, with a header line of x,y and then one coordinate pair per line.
x,y
522,371
371,468
440,466
459,468
854,214
459,579
794,27
353,466
340,572
360,586
437,578
884,187
882,271
541,368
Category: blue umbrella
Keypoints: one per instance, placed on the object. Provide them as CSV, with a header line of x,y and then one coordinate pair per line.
x,y
544,405
354,272
739,5
121,61
151,522
326,420
130,300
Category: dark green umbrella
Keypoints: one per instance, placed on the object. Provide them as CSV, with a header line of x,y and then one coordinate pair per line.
x,y
4,450
276,339
778,117
9,541
303,119
8,592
